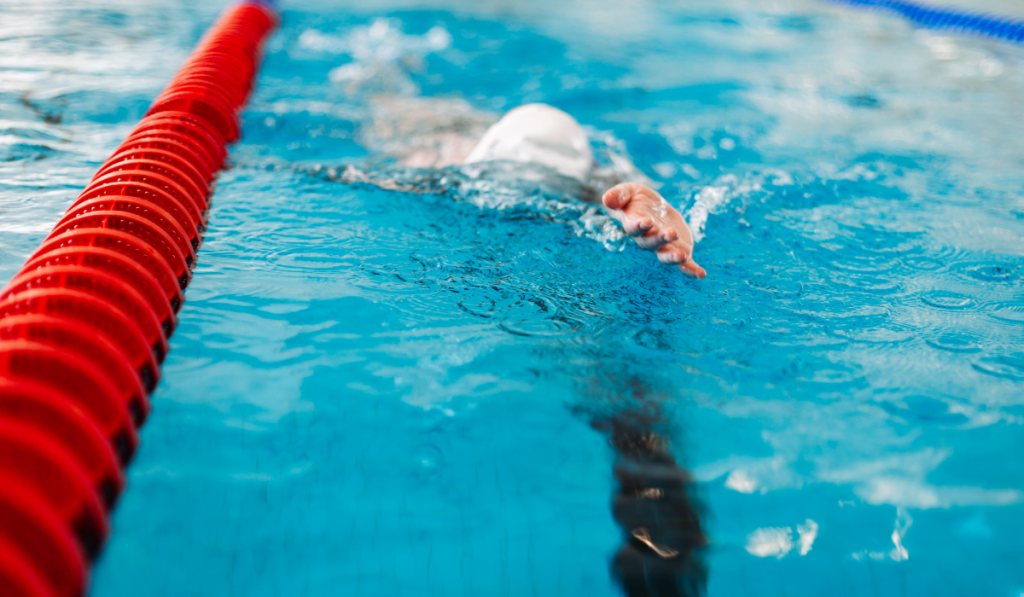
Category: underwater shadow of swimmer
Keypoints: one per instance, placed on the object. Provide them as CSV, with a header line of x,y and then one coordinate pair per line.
x,y
661,554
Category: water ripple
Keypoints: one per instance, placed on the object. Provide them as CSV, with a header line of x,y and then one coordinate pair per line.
x,y
1012,313
1005,366
956,342
993,272
948,300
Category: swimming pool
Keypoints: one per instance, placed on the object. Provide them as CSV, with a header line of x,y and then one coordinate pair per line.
x,y
376,393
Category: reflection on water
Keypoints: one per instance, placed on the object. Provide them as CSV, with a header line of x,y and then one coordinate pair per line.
x,y
663,551
655,509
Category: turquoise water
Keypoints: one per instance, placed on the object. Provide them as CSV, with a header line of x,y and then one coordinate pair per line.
x,y
379,392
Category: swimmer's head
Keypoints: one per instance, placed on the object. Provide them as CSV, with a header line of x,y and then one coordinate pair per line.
x,y
539,134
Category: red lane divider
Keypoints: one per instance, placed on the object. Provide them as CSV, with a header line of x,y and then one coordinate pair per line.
x,y
145,184
79,379
142,155
44,467
84,342
86,321
195,194
126,245
17,576
41,540
159,231
116,264
186,151
54,413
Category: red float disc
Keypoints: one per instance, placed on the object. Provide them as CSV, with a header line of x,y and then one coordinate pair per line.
x,y
145,220
185,180
211,159
243,38
240,41
81,382
100,316
55,414
177,251
117,265
199,121
260,13
211,141
216,96
161,156
41,465
131,247
236,34
184,81
197,192
101,285
229,80
232,53
154,207
18,577
41,539
83,341
241,70
201,105
185,126
237,95
226,42
141,183
253,20
233,96
186,151
256,18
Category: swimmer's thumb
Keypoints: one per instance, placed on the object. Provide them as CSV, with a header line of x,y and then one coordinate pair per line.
x,y
616,197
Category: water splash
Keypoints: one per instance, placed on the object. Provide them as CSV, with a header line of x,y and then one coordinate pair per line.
x,y
502,187
379,52
899,553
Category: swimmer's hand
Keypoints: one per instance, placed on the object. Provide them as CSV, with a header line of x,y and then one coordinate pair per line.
x,y
654,225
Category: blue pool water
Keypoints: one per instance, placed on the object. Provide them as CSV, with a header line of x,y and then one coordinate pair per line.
x,y
381,392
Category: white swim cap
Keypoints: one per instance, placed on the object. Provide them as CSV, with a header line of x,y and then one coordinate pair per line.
x,y
540,134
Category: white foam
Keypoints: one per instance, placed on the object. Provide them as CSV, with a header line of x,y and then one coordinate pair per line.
x,y
770,542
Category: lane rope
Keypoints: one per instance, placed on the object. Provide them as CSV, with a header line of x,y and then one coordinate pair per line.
x,y
948,19
84,324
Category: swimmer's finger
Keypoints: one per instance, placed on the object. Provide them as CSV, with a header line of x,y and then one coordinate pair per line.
x,y
637,226
680,257
672,255
619,196
690,268
675,253
657,237
613,199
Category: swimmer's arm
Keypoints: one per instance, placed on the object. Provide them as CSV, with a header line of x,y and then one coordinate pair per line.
x,y
654,224
644,214
426,185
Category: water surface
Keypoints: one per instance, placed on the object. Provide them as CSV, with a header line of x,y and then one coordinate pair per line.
x,y
375,392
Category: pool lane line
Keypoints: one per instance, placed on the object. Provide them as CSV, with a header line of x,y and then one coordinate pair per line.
x,y
948,19
84,324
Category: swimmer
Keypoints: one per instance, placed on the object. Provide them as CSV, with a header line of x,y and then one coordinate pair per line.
x,y
535,134
541,134
662,552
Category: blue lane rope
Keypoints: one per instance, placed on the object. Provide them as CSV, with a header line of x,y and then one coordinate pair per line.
x,y
955,20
